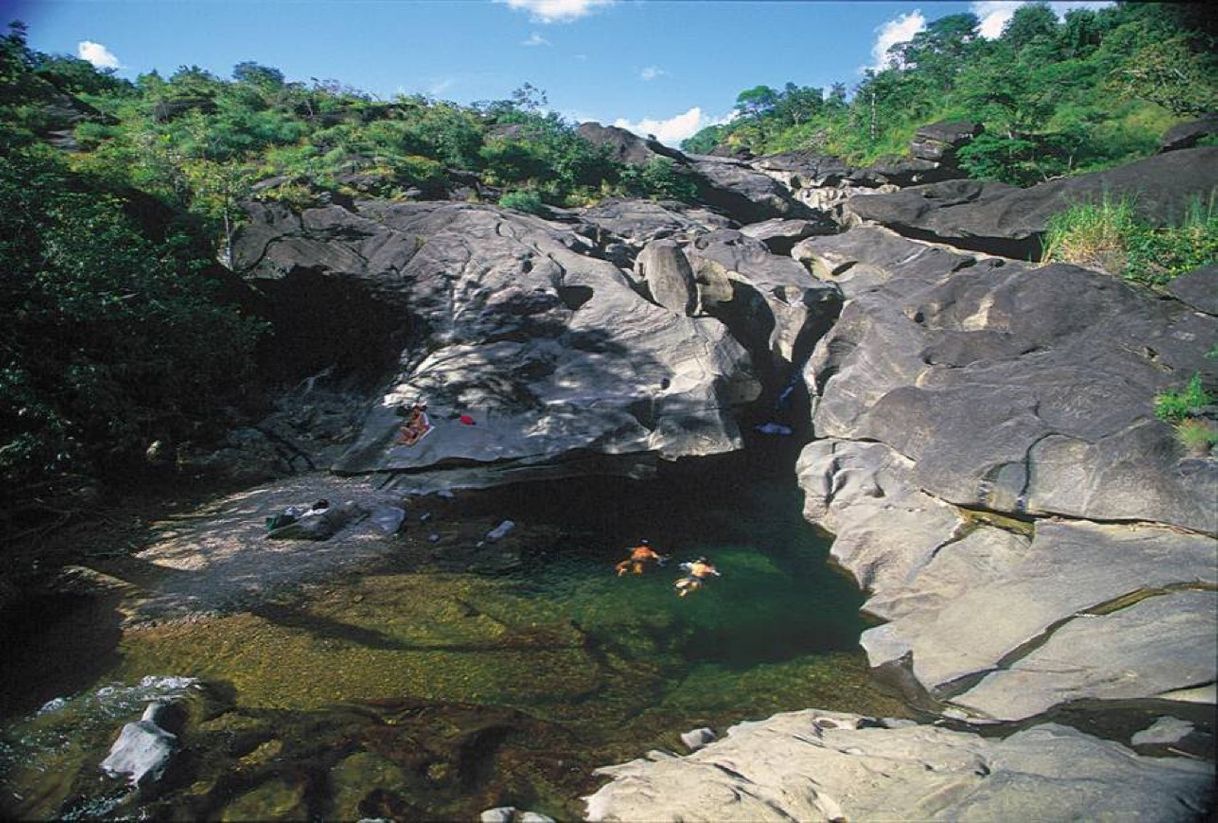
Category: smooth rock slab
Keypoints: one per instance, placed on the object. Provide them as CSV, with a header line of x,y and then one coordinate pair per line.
x,y
997,608
1151,648
815,765
515,321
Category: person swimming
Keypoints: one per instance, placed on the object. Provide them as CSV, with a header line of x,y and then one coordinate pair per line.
x,y
697,572
640,556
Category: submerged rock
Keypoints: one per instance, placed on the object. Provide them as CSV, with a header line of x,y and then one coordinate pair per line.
x,y
697,738
816,765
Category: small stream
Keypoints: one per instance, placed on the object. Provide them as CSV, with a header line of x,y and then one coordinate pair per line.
x,y
434,694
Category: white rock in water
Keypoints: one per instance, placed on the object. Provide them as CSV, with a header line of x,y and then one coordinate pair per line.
x,y
510,814
142,752
1164,730
697,738
501,530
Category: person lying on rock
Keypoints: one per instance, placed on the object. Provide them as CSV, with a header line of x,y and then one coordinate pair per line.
x,y
696,574
640,556
416,426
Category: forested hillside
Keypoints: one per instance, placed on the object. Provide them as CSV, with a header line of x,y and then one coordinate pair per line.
x,y
1056,97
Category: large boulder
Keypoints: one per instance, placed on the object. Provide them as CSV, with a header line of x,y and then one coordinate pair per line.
x,y
818,765
511,319
742,193
626,146
1021,389
1002,219
664,268
771,303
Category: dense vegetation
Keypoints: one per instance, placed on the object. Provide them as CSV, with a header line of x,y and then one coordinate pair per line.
x,y
1088,92
122,196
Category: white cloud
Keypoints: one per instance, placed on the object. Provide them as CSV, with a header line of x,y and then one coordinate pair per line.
x,y
899,30
97,54
535,39
556,11
439,85
994,14
652,72
673,130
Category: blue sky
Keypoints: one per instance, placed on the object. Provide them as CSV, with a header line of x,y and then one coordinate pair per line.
x,y
653,65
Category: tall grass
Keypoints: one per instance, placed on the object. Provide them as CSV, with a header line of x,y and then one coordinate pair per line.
x,y
1109,236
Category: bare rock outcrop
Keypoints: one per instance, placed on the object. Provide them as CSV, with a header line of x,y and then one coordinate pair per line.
x,y
996,480
1002,219
510,319
819,765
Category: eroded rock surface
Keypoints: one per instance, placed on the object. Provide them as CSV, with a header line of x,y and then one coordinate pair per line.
x,y
815,765
1006,220
953,386
1014,388
512,320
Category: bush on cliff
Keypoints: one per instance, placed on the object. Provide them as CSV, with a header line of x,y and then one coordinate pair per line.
x,y
1109,236
111,339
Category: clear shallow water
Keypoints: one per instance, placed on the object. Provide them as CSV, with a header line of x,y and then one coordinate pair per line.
x,y
436,694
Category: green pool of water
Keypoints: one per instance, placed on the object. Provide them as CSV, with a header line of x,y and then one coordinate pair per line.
x,y
436,694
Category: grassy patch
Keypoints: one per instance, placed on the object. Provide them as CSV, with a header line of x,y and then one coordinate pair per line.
x,y
1109,236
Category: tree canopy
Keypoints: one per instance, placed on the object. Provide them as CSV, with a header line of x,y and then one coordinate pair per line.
x,y
1056,97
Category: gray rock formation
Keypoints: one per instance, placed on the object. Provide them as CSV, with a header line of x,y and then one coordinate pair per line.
x,y
1018,389
1186,135
1164,730
939,142
625,226
663,267
511,318
815,765
771,303
1002,219
1045,379
820,182
626,146
742,193
780,236
1198,289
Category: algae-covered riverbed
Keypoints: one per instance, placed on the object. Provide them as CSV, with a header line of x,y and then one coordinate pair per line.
x,y
421,690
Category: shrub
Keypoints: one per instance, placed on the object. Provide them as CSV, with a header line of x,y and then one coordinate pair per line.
x,y
525,201
1094,235
1197,436
1174,406
1110,237
112,339
1156,257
